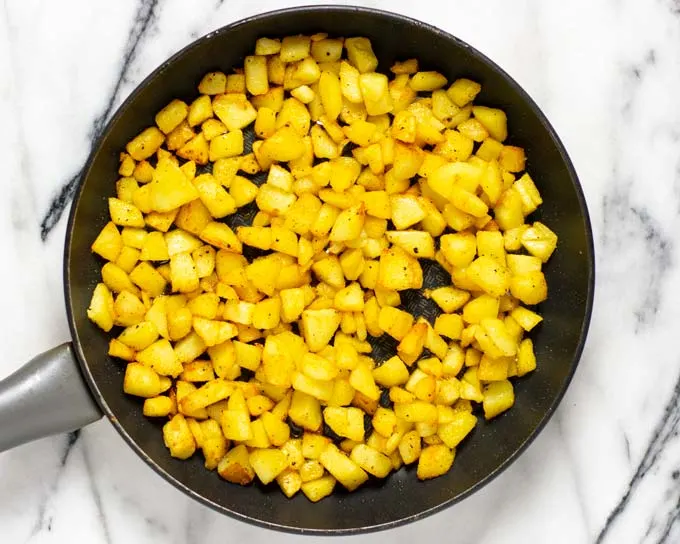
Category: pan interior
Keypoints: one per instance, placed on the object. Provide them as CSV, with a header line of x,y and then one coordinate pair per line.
x,y
558,341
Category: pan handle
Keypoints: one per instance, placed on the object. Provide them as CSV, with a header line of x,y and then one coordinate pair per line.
x,y
46,396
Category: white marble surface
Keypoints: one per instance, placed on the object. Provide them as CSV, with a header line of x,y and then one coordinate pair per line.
x,y
607,73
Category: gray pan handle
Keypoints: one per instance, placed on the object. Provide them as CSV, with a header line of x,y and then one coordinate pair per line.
x,y
46,396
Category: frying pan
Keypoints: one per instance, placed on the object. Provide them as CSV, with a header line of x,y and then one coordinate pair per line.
x,y
76,383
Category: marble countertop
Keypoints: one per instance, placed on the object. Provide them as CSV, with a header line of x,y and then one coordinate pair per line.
x,y
607,73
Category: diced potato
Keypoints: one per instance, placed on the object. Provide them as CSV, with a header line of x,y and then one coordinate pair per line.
x,y
360,54
318,489
434,461
498,397
305,411
343,469
141,381
392,372
235,466
178,438
268,463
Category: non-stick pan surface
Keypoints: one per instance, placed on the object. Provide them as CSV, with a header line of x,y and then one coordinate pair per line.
x,y
558,341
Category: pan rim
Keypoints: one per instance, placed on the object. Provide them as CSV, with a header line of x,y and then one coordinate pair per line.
x,y
589,295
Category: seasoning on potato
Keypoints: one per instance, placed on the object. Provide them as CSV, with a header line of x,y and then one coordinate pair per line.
x,y
253,340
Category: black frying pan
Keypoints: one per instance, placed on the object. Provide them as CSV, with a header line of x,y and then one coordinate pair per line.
x,y
49,395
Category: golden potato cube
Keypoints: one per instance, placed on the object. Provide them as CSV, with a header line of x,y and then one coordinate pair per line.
x,y
267,313
101,308
213,83
125,214
427,81
159,406
259,439
200,111
494,121
305,411
410,447
463,91
143,172
290,482
375,92
327,50
349,84
539,241
108,243
214,445
221,236
417,243
481,307
248,355
277,431
292,304
318,327
384,422
312,446
236,425
416,411
317,367
139,336
145,144
178,438
531,287
330,94
508,210
318,489
311,470
346,471
234,110
350,298
180,323
371,460
360,54
213,332
395,322
526,359
525,317
196,149
490,276
235,466
141,381
226,145
303,93
392,372
209,393
512,158
319,389
171,116
434,461
128,258
347,422
193,217
409,66
117,280
295,48
120,350
183,273
361,379
161,357
267,46
399,271
255,68
498,397
449,325
406,211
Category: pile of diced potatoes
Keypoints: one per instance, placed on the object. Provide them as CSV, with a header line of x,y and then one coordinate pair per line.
x,y
265,364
